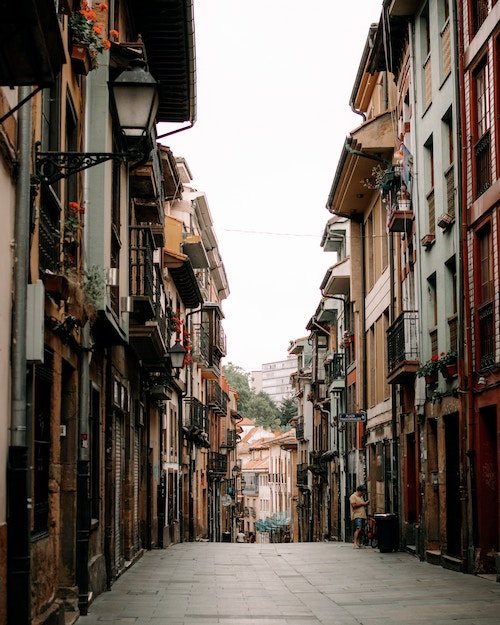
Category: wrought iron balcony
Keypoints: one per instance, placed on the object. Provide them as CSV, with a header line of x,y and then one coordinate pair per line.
x,y
335,368
302,474
217,463
217,398
195,414
299,430
150,337
201,346
402,348
230,441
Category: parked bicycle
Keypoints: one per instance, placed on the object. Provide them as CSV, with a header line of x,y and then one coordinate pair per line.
x,y
369,537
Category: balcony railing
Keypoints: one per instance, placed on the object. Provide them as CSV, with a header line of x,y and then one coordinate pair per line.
x,y
49,233
230,441
299,430
302,474
195,413
402,346
217,463
217,398
334,367
141,270
220,339
201,343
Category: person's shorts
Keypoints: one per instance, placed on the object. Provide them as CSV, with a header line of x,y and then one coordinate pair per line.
x,y
358,524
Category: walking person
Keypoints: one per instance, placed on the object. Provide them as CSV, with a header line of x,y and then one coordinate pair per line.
x,y
358,514
240,537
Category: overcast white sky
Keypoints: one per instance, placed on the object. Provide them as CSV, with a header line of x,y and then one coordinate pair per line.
x,y
274,79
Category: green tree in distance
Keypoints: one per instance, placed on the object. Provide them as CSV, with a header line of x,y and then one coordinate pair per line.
x,y
260,408
288,409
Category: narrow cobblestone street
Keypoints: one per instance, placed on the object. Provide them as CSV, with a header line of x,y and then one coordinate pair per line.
x,y
292,584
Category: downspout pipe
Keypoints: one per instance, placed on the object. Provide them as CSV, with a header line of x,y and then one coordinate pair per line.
x,y
465,364
394,420
18,492
83,512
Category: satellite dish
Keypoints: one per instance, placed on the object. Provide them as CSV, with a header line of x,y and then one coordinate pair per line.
x,y
226,500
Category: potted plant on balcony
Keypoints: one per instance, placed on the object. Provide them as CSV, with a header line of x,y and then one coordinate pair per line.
x,y
429,370
448,364
87,40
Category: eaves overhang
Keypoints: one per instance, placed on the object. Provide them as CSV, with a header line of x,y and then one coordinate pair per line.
x,y
167,29
181,270
369,144
337,280
391,39
31,45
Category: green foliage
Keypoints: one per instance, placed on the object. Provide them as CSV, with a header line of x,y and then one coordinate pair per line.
x,y
239,380
258,407
288,409
263,411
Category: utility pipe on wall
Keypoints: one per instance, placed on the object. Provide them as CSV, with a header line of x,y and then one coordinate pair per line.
x,y
19,496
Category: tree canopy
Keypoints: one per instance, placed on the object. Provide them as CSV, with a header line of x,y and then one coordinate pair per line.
x,y
258,407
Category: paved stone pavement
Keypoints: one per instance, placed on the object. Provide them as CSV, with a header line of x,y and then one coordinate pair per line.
x,y
292,584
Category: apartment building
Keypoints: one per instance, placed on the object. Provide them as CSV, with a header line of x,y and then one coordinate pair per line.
x,y
275,379
403,381
119,429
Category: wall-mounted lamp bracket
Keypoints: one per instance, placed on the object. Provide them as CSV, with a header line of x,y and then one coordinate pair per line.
x,y
53,166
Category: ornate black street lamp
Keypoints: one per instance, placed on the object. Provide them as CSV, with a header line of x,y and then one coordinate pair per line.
x,y
134,103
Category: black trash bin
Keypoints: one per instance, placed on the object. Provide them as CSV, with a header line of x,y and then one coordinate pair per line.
x,y
387,532
226,537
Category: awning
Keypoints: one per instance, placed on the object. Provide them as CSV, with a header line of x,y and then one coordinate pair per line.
x,y
181,270
167,29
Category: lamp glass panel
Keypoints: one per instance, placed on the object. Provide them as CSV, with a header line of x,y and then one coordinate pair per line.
x,y
136,107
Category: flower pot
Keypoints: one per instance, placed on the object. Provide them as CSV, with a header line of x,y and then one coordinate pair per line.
x,y
450,370
431,378
80,59
56,285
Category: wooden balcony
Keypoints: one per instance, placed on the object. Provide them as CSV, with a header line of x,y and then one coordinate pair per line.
x,y
141,276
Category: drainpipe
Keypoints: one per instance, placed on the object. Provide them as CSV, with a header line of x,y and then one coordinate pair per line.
x,y
18,478
363,337
83,478
192,446
83,512
465,371
394,420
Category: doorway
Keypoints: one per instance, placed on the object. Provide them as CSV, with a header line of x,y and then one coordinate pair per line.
x,y
453,504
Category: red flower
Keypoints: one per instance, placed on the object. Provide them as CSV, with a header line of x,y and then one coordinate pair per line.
x,y
434,358
107,43
102,6
114,33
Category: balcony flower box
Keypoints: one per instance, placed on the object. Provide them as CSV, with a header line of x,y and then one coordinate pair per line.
x,y
450,371
81,61
445,220
428,240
